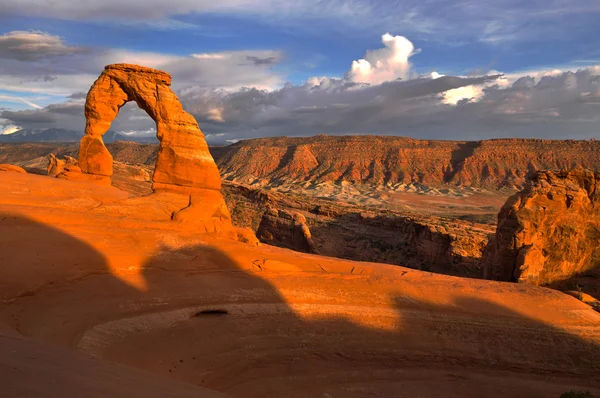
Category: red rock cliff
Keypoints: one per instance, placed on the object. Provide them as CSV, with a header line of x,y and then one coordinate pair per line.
x,y
382,160
550,231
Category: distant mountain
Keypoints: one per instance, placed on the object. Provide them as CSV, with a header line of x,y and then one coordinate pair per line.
x,y
64,135
42,135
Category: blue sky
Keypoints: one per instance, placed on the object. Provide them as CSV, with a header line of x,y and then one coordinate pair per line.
x,y
52,51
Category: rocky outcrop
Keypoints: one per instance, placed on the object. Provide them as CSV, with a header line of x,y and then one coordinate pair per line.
x,y
286,228
12,167
183,159
247,235
550,231
56,166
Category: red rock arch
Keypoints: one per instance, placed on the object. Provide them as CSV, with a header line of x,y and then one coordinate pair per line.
x,y
183,157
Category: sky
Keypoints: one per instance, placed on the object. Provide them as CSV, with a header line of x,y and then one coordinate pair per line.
x,y
431,69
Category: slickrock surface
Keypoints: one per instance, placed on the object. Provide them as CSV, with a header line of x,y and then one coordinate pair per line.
x,y
83,270
550,231
12,168
183,158
30,369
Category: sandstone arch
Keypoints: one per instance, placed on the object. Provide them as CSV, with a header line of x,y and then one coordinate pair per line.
x,y
183,158
186,179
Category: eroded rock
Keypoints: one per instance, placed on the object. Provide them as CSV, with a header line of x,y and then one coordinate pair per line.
x,y
12,167
286,228
57,166
183,158
246,235
184,166
550,231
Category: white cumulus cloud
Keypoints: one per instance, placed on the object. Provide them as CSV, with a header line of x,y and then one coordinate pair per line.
x,y
384,64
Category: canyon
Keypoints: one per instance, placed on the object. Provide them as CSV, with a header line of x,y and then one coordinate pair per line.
x,y
134,270
438,215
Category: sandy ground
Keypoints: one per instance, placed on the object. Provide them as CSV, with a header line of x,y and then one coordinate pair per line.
x,y
89,269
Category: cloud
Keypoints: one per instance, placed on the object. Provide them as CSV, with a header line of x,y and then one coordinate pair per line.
x,y
386,64
36,62
546,105
262,61
235,95
12,98
8,129
33,46
563,105
493,22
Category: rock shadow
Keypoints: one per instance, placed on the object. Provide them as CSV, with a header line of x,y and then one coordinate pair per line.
x,y
288,333
457,161
394,240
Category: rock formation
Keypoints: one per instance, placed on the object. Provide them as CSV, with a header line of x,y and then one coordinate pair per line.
x,y
56,166
11,167
550,231
183,159
183,163
286,228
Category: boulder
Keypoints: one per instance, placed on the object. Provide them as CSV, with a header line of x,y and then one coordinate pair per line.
x,y
247,235
549,232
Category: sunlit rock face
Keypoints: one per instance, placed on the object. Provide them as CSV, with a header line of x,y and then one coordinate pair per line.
x,y
183,157
550,231
184,166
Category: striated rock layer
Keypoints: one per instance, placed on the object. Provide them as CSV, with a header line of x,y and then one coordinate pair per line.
x,y
550,231
381,160
356,233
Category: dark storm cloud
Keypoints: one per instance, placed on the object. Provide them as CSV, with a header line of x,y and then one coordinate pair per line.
x,y
262,61
564,105
78,95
